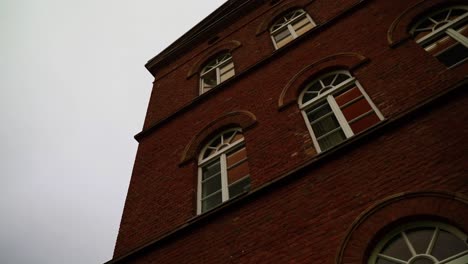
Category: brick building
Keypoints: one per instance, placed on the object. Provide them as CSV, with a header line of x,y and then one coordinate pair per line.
x,y
306,131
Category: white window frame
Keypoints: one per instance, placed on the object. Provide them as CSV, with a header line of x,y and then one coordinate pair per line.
x,y
222,157
286,25
330,100
215,65
445,29
458,259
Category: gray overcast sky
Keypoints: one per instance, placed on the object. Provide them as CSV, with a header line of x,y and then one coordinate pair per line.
x,y
73,92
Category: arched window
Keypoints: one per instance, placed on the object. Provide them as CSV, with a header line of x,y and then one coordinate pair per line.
x,y
444,34
216,71
422,243
290,26
223,170
336,107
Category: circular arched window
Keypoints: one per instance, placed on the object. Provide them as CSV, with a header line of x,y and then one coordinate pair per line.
x,y
422,243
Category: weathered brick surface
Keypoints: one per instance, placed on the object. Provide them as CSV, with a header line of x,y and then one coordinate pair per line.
x,y
305,219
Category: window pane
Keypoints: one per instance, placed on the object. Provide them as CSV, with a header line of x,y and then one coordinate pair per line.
x,y
239,187
322,120
211,202
209,79
211,185
211,170
347,96
282,38
302,26
453,55
364,123
332,139
237,172
356,109
227,75
397,248
447,245
440,45
236,156
420,238
384,261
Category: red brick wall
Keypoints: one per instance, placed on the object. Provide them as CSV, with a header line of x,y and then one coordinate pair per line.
x,y
305,220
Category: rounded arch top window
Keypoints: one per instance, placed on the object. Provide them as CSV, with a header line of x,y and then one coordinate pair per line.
x,y
290,26
444,34
335,108
223,170
422,243
216,71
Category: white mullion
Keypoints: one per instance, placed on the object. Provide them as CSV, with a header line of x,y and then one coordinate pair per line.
x,y
199,188
339,116
369,101
408,244
311,131
392,259
459,258
321,96
429,37
434,237
457,36
224,180
292,31
218,76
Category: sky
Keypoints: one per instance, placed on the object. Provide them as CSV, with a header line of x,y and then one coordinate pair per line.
x,y
73,93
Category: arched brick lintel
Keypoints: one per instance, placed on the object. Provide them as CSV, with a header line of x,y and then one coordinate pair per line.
x,y
242,119
291,90
400,27
225,46
445,205
278,10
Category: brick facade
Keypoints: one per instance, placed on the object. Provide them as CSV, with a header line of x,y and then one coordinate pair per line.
x,y
302,207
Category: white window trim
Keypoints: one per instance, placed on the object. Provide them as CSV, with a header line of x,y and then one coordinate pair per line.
x,y
437,225
330,100
290,27
222,157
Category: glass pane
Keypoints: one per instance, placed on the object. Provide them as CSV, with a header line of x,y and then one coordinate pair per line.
x,y
209,79
328,81
325,125
383,261
282,34
211,202
226,68
237,137
237,172
440,45
348,95
302,25
331,140
211,170
447,245
239,187
356,109
453,55
364,123
211,185
236,156
463,30
284,41
420,238
397,248
227,75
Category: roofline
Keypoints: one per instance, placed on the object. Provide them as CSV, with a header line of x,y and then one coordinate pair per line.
x,y
207,24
